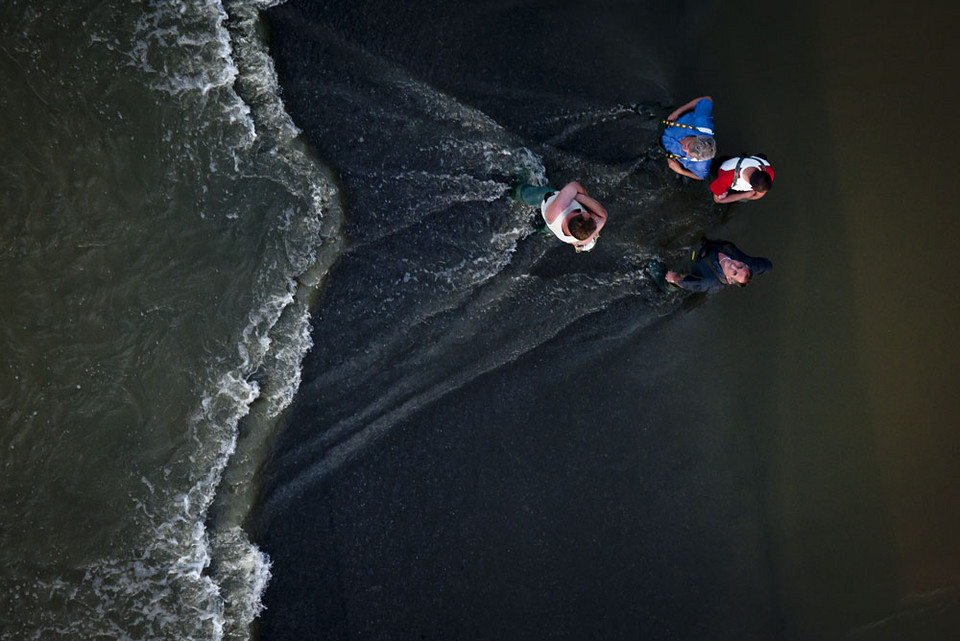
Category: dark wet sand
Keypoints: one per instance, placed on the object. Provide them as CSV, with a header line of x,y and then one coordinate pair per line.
x,y
507,512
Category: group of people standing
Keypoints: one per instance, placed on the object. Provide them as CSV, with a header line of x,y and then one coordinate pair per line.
x,y
687,140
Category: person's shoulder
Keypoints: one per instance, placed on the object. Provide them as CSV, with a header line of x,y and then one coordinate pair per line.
x,y
670,139
701,168
759,265
726,163
712,245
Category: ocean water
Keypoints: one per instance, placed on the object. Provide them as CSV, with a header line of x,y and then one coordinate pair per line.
x,y
164,234
281,358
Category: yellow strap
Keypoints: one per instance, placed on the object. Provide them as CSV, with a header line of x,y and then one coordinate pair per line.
x,y
706,131
671,123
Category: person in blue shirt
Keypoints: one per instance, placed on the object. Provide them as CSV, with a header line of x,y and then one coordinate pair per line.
x,y
711,267
688,140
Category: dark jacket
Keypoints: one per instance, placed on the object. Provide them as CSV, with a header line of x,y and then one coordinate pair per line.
x,y
702,272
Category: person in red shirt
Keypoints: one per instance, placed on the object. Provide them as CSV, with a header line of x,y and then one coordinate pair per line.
x,y
742,178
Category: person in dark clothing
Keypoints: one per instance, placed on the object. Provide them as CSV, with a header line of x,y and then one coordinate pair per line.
x,y
710,268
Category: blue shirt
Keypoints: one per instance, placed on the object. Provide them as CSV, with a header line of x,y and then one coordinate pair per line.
x,y
701,116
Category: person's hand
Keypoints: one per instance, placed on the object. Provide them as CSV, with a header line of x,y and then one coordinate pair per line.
x,y
722,196
672,277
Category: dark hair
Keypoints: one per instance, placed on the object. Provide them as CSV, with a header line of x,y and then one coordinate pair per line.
x,y
761,181
582,226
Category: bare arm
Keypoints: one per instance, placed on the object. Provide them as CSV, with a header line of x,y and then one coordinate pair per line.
x,y
561,202
594,207
675,165
679,111
732,197
678,279
688,282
